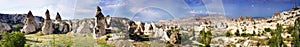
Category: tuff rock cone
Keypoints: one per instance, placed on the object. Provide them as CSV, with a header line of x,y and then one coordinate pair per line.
x,y
58,18
30,25
47,26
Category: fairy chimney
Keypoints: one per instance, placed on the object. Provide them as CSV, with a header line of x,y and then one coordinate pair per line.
x,y
100,24
58,18
30,25
47,26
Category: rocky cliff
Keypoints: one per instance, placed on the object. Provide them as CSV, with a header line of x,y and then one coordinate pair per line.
x,y
18,20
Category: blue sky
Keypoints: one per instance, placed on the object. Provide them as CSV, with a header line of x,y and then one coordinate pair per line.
x,y
229,8
148,10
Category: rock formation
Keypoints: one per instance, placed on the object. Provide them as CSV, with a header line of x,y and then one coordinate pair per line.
x,y
47,26
59,26
100,24
249,18
58,18
30,25
161,35
83,28
240,18
276,15
174,38
108,19
4,27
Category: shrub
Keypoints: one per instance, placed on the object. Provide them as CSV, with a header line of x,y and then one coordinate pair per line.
x,y
253,33
237,33
13,39
296,33
244,35
290,29
267,29
228,34
276,40
17,28
102,42
205,37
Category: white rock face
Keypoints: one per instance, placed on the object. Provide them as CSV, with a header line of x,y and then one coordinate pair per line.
x,y
161,35
30,24
84,28
48,26
118,36
4,26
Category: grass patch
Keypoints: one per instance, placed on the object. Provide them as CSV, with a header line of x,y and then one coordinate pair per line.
x,y
53,40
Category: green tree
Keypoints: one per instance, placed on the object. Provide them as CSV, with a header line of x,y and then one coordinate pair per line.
x,y
237,33
13,39
228,34
244,34
205,37
267,29
276,40
296,33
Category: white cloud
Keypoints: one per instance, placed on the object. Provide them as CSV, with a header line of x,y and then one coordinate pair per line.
x,y
206,12
38,7
85,9
111,4
25,4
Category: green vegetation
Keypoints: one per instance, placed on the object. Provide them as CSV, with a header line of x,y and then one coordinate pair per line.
x,y
52,40
13,39
268,30
276,40
296,33
244,34
290,29
102,42
205,37
228,34
17,28
237,33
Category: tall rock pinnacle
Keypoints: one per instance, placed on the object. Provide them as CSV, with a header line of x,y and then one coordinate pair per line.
x,y
58,18
100,24
30,25
47,26
47,15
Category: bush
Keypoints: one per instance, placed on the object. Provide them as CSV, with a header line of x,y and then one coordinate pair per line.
x,y
205,37
17,28
228,34
13,39
290,29
276,40
244,35
237,33
267,29
296,33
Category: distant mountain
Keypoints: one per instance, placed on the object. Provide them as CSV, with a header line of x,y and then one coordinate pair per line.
x,y
13,19
187,22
